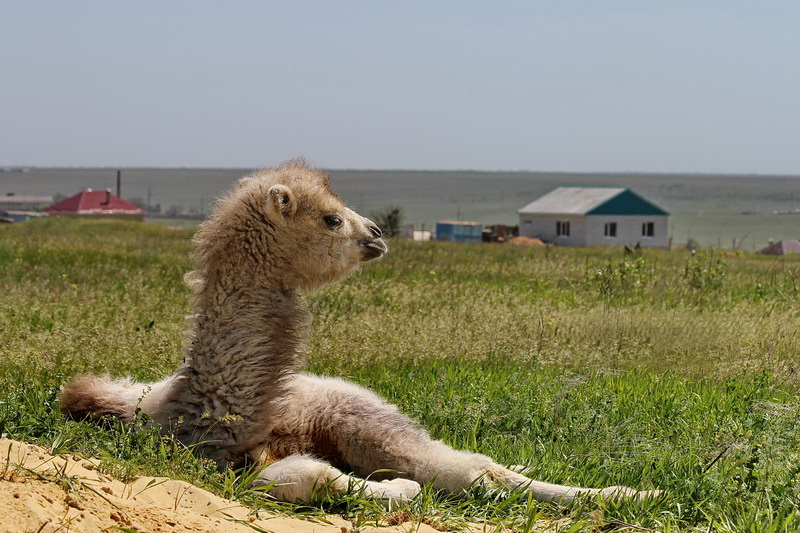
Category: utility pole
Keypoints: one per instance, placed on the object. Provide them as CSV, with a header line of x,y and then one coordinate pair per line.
x,y
119,184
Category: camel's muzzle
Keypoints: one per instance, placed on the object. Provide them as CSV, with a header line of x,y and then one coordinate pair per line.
x,y
372,249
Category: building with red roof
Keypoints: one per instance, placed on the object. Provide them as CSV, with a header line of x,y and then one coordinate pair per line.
x,y
96,204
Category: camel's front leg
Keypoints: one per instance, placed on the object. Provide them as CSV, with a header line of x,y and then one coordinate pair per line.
x,y
563,494
373,437
303,479
455,470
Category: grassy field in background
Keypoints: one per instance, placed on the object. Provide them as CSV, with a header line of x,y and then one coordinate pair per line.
x,y
706,208
666,370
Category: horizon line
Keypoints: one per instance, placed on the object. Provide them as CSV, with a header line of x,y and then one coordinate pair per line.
x,y
18,168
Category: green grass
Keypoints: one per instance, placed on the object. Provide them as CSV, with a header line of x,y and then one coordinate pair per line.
x,y
665,370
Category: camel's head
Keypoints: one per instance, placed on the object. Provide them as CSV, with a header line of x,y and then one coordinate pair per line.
x,y
285,223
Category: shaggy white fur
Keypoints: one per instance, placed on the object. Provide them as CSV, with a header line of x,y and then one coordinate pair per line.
x,y
280,233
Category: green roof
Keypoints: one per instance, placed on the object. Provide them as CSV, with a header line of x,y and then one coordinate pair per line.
x,y
627,203
592,201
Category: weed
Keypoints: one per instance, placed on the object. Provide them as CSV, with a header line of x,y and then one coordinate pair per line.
x,y
619,279
703,272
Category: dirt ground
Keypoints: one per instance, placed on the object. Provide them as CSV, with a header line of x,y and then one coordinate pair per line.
x,y
43,493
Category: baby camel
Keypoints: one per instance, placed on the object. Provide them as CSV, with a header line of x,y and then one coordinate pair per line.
x,y
278,234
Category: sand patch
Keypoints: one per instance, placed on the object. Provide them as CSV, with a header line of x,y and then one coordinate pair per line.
x,y
45,493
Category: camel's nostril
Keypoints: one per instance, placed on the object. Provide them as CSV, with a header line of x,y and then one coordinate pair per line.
x,y
376,231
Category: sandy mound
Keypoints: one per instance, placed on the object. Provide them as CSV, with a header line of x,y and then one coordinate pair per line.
x,y
43,493
526,241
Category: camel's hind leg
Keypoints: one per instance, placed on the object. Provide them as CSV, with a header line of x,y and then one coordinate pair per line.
x,y
303,479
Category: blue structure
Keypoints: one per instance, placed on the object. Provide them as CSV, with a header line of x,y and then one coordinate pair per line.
x,y
458,231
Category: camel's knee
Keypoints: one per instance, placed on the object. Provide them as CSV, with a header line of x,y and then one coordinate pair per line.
x,y
301,479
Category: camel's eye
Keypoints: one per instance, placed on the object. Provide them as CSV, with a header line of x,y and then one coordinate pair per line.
x,y
332,221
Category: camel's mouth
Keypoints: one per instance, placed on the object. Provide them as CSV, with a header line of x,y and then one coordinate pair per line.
x,y
373,249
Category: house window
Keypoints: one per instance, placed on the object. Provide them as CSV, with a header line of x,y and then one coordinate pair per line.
x,y
611,229
648,229
562,229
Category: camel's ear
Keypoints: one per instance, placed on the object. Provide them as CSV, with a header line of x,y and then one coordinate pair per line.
x,y
282,200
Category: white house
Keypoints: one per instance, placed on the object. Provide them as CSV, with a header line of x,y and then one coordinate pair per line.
x,y
595,216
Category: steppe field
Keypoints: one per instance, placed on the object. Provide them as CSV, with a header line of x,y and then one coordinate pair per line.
x,y
665,370
714,210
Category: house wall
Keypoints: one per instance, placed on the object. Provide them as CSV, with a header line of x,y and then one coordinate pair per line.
x,y
544,227
629,231
589,230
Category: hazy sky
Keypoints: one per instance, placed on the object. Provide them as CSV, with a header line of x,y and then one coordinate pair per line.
x,y
599,85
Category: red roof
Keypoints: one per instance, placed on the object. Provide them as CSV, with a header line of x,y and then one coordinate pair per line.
x,y
89,202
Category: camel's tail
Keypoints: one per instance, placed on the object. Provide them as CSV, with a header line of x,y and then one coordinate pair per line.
x,y
94,397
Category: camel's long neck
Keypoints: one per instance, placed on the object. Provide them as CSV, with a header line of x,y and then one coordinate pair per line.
x,y
261,330
254,326
244,343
